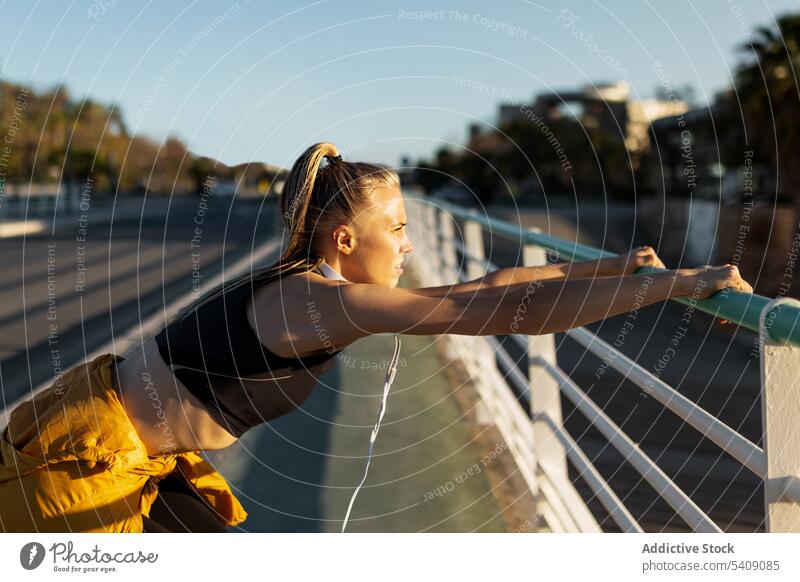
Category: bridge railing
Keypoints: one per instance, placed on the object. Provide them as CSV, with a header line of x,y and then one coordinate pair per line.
x,y
537,438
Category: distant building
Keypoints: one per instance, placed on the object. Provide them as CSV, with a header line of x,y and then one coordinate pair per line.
x,y
604,106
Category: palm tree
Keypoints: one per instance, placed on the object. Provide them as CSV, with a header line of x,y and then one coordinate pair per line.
x,y
769,93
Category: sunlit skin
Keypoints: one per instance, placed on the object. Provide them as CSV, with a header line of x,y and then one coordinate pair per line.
x,y
374,244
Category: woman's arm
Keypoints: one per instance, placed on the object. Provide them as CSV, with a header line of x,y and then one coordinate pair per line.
x,y
618,265
337,315
533,308
515,275
608,267
320,315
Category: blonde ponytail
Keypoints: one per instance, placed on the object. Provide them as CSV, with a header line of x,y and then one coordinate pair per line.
x,y
314,198
300,182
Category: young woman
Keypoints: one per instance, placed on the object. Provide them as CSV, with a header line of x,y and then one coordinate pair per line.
x,y
117,450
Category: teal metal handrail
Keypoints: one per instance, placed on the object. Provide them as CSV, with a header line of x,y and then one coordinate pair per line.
x,y
782,321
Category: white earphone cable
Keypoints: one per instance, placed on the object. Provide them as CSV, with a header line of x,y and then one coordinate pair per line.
x,y
390,372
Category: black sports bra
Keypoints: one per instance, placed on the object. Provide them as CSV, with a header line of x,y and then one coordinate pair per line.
x,y
215,353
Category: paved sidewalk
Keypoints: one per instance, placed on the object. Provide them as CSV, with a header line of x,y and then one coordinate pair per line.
x,y
426,474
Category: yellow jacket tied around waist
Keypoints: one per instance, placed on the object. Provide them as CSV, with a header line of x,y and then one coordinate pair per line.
x,y
72,461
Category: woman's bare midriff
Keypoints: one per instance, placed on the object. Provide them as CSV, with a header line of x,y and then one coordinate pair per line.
x,y
168,418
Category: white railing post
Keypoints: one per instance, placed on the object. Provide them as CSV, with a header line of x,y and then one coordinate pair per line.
x,y
473,245
431,233
421,223
780,411
481,352
447,247
545,391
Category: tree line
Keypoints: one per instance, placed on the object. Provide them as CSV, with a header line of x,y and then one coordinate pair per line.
x,y
50,136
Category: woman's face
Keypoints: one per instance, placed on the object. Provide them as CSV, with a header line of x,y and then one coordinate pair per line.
x,y
380,240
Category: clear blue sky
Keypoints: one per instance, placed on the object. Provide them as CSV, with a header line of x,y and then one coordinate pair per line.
x,y
244,81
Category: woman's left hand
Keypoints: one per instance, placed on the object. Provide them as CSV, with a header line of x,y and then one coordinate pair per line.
x,y
645,256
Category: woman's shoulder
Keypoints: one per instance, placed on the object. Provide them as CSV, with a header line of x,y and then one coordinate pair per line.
x,y
286,311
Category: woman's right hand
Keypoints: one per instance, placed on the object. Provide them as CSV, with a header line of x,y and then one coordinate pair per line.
x,y
702,282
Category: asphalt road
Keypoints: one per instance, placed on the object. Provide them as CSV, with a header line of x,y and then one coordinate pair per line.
x,y
65,293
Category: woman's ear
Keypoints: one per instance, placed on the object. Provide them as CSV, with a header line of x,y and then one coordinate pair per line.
x,y
344,239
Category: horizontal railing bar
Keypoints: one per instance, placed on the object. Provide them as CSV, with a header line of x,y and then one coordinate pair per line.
x,y
510,367
566,522
519,340
741,308
733,443
646,467
613,504
520,233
